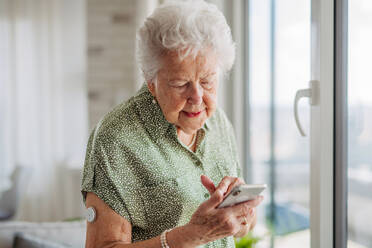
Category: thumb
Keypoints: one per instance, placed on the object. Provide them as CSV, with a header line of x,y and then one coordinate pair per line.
x,y
208,184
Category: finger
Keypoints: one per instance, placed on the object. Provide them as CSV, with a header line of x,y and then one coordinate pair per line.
x,y
254,221
249,218
243,207
236,181
224,184
208,184
215,199
247,214
243,219
252,212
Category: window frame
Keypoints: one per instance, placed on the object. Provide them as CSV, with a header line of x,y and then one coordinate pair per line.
x,y
322,125
341,124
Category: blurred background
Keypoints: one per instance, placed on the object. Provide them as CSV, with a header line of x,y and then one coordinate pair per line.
x,y
65,63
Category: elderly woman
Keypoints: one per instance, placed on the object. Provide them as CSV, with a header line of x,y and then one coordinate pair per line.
x,y
152,162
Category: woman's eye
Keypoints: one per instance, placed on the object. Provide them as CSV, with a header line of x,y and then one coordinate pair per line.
x,y
180,86
206,84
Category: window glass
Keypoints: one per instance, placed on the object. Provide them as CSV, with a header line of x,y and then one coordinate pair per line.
x,y
360,124
279,65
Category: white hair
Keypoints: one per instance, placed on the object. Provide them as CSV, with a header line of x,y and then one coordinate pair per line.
x,y
187,27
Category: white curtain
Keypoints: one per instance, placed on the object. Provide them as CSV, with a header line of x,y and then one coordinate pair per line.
x,y
43,101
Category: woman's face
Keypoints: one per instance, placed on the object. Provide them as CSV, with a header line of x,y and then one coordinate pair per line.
x,y
187,91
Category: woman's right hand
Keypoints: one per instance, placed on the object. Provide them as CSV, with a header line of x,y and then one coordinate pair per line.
x,y
210,223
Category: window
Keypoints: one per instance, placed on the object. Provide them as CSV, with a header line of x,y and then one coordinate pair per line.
x,y
359,123
279,65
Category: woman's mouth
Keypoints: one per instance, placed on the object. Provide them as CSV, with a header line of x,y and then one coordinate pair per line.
x,y
192,114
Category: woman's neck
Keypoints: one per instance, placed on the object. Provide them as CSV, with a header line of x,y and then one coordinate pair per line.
x,y
185,138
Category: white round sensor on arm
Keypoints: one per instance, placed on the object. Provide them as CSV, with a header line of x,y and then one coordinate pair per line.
x,y
90,214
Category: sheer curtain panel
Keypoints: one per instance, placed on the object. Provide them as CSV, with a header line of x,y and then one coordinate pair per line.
x,y
43,102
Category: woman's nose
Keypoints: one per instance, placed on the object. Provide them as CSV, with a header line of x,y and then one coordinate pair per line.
x,y
196,95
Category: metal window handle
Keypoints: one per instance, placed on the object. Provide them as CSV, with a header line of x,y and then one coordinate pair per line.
x,y
312,94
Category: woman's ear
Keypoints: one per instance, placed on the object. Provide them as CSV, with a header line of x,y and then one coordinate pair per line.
x,y
151,86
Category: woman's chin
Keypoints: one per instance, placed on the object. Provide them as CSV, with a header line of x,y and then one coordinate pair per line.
x,y
190,125
191,128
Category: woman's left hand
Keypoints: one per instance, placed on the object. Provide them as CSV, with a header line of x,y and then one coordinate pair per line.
x,y
245,227
248,226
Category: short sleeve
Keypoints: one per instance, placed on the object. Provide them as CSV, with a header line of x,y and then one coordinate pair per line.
x,y
234,150
238,165
233,145
107,174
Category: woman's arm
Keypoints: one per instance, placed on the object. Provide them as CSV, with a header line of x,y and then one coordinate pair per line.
x,y
208,223
110,230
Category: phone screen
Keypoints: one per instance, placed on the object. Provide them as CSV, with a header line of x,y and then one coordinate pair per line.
x,y
242,193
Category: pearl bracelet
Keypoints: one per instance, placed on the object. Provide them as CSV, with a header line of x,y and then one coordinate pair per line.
x,y
163,239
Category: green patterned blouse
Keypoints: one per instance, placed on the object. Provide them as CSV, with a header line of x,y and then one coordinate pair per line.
x,y
137,165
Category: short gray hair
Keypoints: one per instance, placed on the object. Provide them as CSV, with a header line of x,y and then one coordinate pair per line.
x,y
188,26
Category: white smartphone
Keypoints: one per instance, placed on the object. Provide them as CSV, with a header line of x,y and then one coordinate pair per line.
x,y
242,193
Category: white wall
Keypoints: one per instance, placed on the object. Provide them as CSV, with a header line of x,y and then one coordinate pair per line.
x,y
111,29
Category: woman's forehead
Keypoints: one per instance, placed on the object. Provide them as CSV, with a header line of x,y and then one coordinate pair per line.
x,y
203,65
179,74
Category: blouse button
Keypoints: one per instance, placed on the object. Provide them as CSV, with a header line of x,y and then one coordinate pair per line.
x,y
206,195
